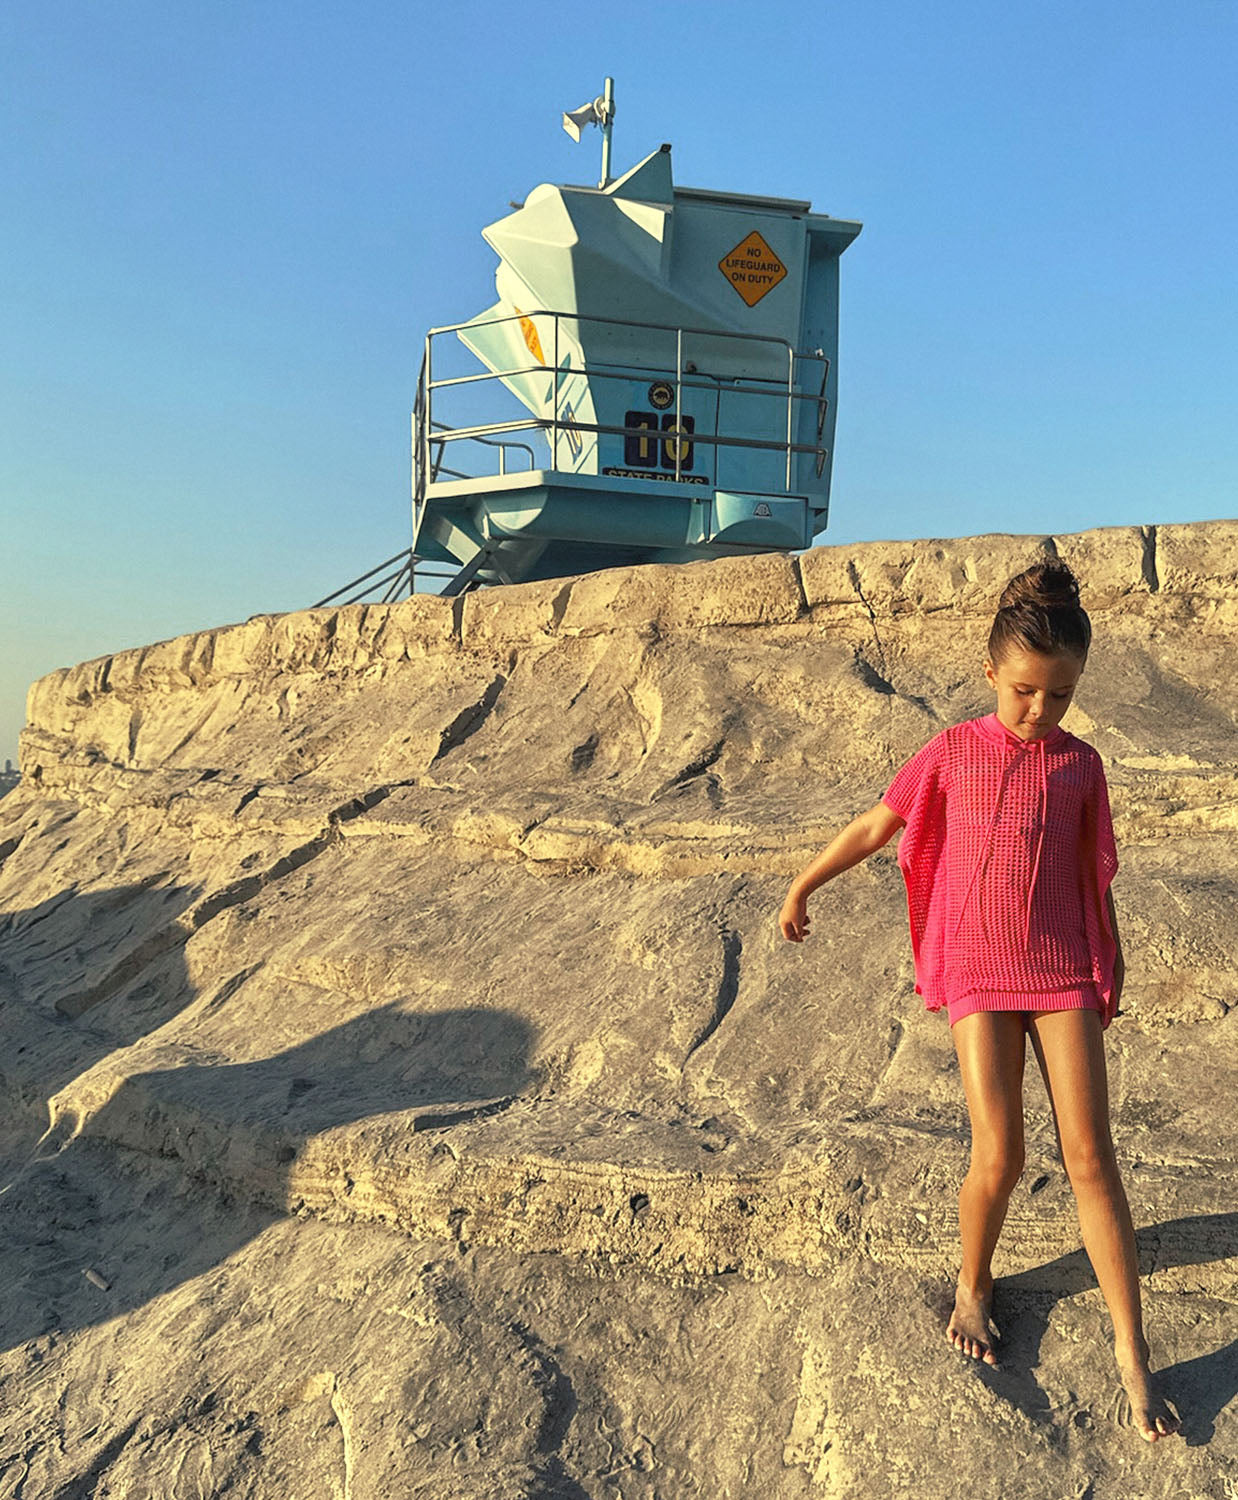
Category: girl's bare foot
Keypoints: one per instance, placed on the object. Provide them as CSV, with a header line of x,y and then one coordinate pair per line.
x,y
1152,1416
970,1328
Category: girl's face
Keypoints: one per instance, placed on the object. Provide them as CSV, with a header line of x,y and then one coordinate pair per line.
x,y
1033,691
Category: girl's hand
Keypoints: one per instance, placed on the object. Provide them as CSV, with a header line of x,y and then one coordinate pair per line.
x,y
793,918
861,837
1119,976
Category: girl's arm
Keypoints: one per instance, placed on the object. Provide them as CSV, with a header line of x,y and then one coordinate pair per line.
x,y
861,837
1119,963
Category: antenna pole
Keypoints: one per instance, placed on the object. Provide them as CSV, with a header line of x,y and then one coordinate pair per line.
x,y
608,117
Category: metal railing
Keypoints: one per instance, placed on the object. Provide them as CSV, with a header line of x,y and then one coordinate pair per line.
x,y
427,434
438,468
408,567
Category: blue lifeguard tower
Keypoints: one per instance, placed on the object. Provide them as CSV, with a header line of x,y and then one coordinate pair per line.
x,y
656,382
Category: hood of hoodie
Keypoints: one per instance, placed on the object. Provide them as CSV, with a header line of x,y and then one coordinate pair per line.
x,y
992,728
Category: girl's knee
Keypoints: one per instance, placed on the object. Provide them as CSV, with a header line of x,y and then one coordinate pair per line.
x,y
998,1167
1089,1162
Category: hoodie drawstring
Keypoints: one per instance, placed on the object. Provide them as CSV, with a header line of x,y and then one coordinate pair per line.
x,y
1040,841
987,847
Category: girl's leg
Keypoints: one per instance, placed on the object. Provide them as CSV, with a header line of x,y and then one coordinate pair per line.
x,y
990,1049
1071,1055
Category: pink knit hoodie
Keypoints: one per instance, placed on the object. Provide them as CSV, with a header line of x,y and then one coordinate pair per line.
x,y
1007,854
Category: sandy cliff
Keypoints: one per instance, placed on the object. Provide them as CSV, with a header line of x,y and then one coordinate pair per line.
x,y
394,1023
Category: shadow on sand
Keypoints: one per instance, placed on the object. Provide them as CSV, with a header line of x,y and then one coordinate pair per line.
x,y
1201,1388
85,976
61,962
449,1066
89,1232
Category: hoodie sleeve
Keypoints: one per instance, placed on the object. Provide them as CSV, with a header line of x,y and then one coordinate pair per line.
x,y
917,783
1099,823
1100,865
917,795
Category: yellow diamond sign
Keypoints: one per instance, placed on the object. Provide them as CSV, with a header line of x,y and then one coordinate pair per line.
x,y
752,268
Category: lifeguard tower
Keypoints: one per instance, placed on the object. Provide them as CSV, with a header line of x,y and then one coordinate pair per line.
x,y
655,383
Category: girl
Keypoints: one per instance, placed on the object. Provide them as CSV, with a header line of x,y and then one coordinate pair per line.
x,y
1008,856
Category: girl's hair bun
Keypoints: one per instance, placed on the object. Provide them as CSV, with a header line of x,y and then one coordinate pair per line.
x,y
1040,611
1050,584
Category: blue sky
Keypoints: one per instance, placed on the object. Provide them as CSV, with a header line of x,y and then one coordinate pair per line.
x,y
227,226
